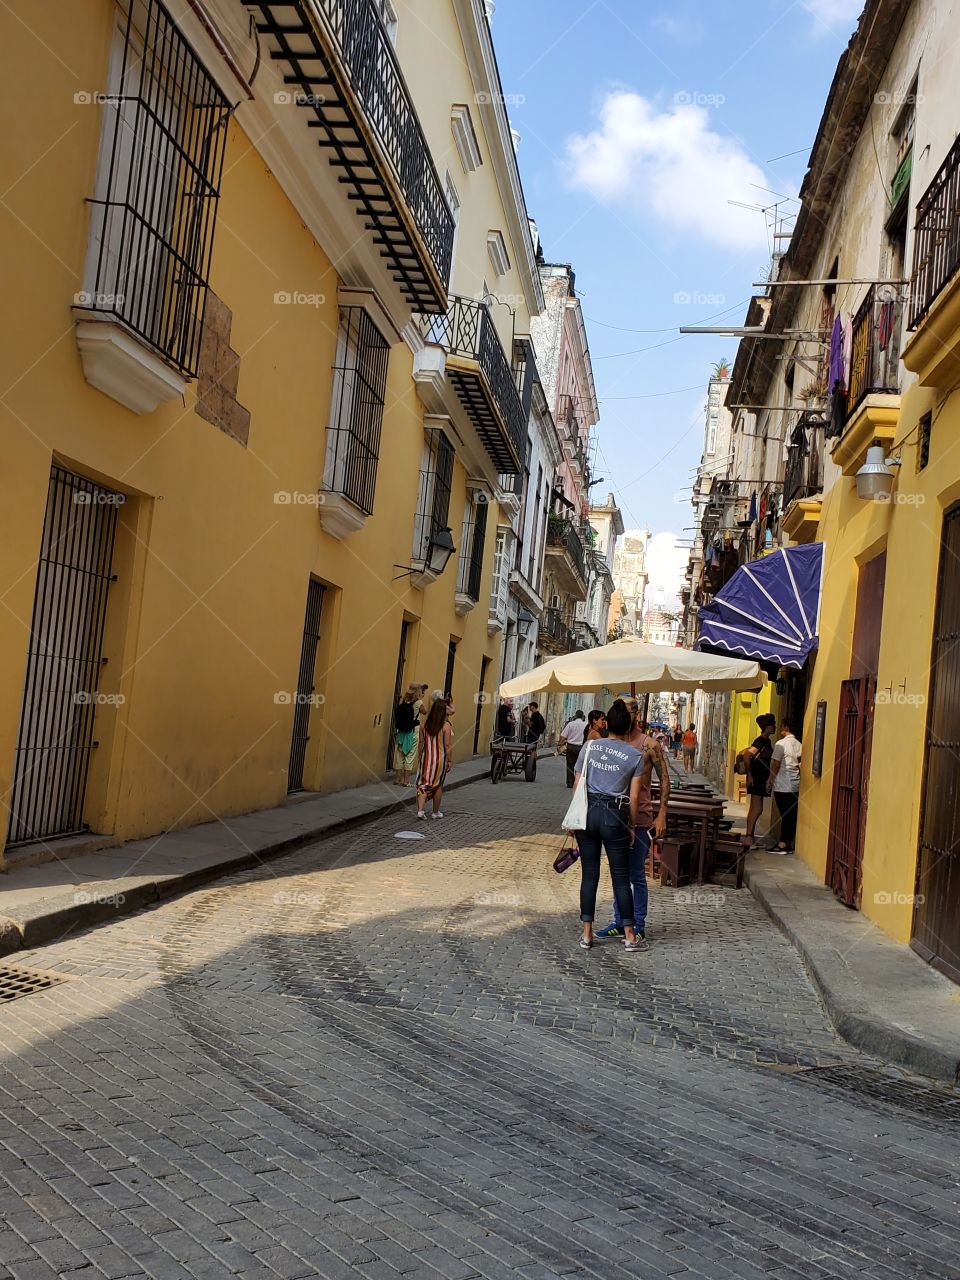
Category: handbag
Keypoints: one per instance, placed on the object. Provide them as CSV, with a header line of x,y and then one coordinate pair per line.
x,y
566,858
575,819
740,765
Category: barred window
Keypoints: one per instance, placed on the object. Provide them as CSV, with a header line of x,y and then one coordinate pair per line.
x,y
155,203
356,410
470,569
433,497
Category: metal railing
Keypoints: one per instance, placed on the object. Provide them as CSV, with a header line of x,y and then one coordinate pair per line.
x,y
564,534
875,345
554,628
803,475
356,410
378,82
936,244
467,329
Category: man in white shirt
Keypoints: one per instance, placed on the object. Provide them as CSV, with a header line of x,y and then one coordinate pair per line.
x,y
571,740
784,785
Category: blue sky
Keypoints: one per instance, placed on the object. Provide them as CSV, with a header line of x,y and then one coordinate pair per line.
x,y
639,121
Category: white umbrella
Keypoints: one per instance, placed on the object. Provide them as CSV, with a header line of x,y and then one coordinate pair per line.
x,y
642,668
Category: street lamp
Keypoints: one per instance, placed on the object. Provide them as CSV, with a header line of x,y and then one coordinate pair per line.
x,y
439,550
875,478
525,621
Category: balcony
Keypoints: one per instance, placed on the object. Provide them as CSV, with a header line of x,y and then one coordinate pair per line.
x,y
477,366
933,353
344,75
803,479
566,556
873,398
554,634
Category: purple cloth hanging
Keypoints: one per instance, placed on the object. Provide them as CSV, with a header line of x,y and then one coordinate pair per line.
x,y
837,375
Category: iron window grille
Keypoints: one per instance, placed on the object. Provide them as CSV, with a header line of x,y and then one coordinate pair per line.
x,y
936,244
472,544
433,497
158,185
356,409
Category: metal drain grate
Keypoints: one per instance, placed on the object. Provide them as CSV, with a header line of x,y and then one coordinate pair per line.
x,y
877,1088
15,982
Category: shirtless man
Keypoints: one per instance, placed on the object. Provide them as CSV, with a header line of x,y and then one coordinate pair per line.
x,y
648,825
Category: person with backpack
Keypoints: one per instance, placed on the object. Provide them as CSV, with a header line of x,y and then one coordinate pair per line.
x,y
405,735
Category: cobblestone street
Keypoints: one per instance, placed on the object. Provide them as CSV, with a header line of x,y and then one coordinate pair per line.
x,y
378,1057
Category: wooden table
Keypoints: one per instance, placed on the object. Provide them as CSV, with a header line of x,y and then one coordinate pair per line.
x,y
706,815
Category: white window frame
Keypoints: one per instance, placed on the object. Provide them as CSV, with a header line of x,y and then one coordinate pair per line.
x,y
465,137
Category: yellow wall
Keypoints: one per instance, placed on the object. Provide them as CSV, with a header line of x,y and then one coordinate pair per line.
x,y
745,707
205,621
853,532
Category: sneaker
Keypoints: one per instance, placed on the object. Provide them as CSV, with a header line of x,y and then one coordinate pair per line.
x,y
641,944
438,814
781,853
421,815
586,944
611,931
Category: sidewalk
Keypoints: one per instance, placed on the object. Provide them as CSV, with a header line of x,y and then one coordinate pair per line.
x,y
879,994
43,902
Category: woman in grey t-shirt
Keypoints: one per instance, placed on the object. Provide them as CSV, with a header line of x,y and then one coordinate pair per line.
x,y
613,776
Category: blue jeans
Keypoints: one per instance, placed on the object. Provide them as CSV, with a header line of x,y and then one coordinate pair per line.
x,y
607,828
638,880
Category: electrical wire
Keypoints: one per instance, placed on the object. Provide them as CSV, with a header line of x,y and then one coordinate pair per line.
x,y
655,395
670,327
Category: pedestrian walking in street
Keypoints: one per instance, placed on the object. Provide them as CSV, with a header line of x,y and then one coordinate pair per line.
x,y
536,725
406,735
757,758
676,742
689,744
506,719
596,725
649,826
784,785
613,771
436,739
571,740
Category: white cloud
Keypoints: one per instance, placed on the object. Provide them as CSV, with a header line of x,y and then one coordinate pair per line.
x,y
683,30
666,565
673,164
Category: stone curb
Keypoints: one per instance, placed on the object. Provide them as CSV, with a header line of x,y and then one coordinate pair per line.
x,y
851,1013
49,919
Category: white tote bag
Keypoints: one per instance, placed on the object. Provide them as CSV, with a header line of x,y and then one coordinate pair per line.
x,y
575,818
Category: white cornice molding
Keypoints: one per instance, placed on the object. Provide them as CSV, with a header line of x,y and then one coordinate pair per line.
x,y
482,64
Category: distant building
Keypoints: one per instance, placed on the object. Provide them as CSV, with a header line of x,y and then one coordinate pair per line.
x,y
630,576
660,627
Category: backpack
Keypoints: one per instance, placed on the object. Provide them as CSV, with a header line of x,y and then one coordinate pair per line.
x,y
404,717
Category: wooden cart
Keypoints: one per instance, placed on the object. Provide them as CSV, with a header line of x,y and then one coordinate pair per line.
x,y
509,756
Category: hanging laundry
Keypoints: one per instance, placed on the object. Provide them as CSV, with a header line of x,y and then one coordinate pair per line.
x,y
885,325
836,375
763,508
753,506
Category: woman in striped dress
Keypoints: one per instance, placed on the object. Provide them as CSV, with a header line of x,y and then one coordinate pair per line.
x,y
436,738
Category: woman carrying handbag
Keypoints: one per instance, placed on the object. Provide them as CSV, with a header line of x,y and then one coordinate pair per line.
x,y
603,815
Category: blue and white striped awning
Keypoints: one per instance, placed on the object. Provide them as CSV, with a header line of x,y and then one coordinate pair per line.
x,y
769,610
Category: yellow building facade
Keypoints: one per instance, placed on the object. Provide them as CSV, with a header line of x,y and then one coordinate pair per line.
x,y
221,555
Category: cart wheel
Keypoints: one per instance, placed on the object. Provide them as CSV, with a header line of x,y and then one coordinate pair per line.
x,y
493,769
498,769
530,767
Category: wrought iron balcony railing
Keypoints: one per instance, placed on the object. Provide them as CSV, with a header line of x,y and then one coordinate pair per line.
x,y
803,475
554,629
936,243
875,346
564,534
341,63
492,401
